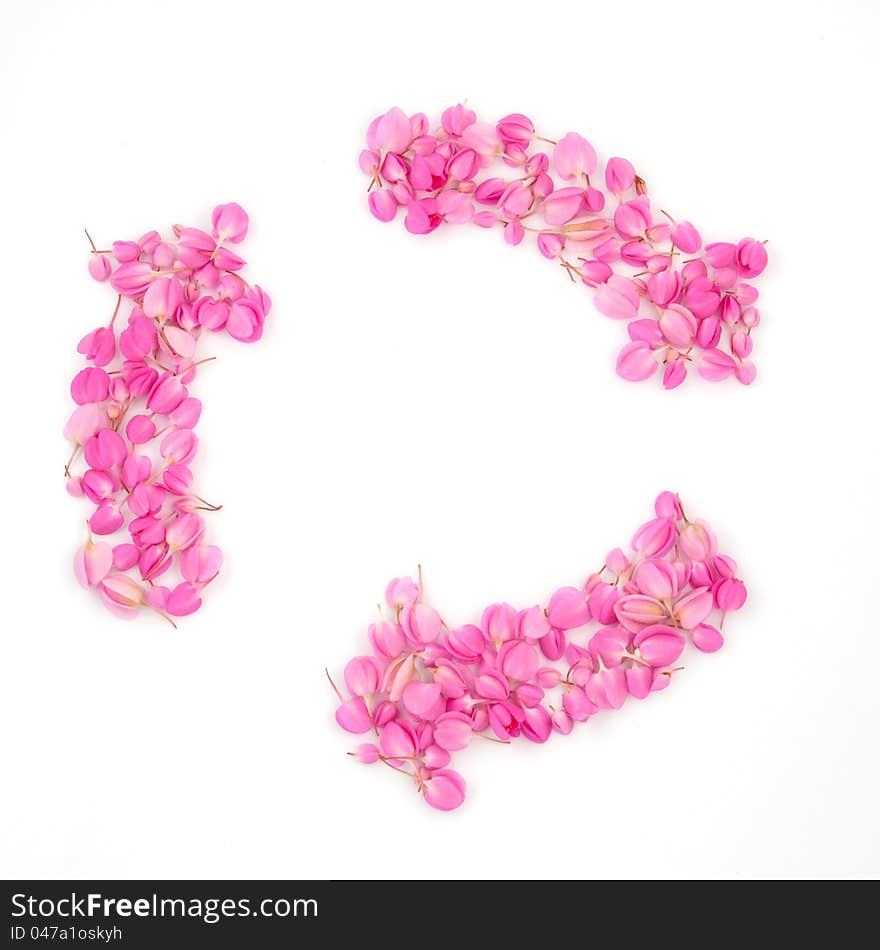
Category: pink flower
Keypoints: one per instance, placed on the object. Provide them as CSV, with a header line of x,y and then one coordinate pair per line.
x,y
454,207
686,237
93,562
383,204
463,165
678,325
99,346
457,118
706,638
636,361
573,156
444,789
659,645
716,365
730,594
693,608
483,138
453,731
132,279
99,267
391,132
421,623
90,385
229,222
674,374
656,578
607,689
633,218
720,254
618,298
655,537
563,205
122,595
619,175
568,608
352,716
635,611
751,257
515,200
701,297
168,393
246,320
422,216
516,128
422,700
518,661
664,287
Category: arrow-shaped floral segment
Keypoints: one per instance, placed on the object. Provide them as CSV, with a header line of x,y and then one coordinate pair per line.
x,y
134,420
428,688
685,303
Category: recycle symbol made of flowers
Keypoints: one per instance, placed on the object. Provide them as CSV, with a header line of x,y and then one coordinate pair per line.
x,y
426,688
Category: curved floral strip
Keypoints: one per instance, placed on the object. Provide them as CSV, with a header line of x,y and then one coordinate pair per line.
x,y
425,688
685,303
133,427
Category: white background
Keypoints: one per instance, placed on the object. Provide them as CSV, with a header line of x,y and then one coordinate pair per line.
x,y
449,401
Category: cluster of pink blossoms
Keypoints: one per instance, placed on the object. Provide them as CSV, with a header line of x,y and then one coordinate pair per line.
x,y
685,303
135,416
427,689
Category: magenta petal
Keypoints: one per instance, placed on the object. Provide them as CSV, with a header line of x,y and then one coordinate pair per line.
x,y
499,623
383,204
536,724
398,739
618,298
610,644
646,330
730,594
619,175
659,645
230,222
353,716
445,789
361,673
491,685
706,638
686,237
140,429
422,700
563,205
716,365
577,705
518,660
421,623
106,519
453,731
533,623
634,611
692,609
393,131
568,608
183,600
657,579
93,562
639,680
553,645
615,687
636,362
674,374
